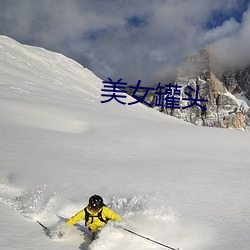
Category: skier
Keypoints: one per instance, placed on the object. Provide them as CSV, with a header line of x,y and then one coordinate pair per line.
x,y
95,214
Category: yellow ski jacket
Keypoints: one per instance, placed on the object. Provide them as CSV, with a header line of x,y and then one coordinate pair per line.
x,y
94,223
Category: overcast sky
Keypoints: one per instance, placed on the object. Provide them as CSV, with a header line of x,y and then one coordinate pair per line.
x,y
131,39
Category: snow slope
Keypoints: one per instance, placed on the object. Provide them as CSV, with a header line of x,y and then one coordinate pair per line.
x,y
176,183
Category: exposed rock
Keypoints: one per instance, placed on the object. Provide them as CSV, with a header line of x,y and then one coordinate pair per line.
x,y
237,81
222,108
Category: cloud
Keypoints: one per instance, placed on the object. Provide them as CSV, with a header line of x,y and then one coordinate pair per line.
x,y
233,49
228,28
123,39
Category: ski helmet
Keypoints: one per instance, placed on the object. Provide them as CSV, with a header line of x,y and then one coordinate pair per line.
x,y
95,202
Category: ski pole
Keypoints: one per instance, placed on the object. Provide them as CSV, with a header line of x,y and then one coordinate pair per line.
x,y
146,238
45,228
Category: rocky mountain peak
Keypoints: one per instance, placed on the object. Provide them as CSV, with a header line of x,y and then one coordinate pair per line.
x,y
237,81
222,108
195,65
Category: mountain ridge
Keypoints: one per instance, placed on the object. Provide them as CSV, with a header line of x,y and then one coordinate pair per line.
x,y
224,108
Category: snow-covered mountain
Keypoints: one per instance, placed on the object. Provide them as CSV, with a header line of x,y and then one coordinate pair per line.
x,y
223,109
182,185
226,93
237,82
